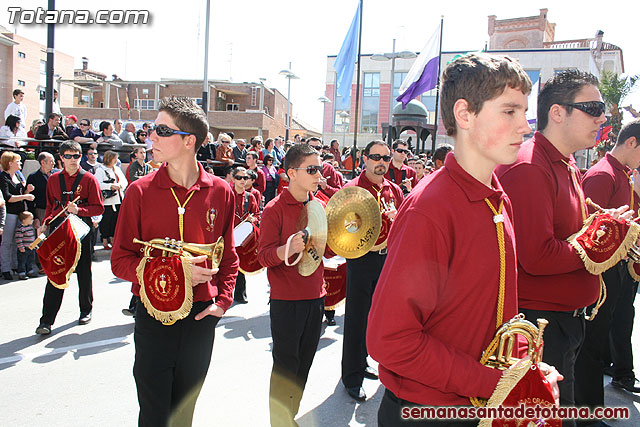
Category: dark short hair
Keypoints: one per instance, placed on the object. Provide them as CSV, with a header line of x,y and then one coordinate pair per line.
x,y
17,92
367,149
70,145
252,174
53,116
297,155
476,78
313,138
562,89
12,122
231,134
267,158
630,130
399,142
188,116
268,142
253,154
239,169
104,125
441,152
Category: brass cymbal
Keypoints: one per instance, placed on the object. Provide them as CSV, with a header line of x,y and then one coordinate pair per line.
x,y
316,230
354,222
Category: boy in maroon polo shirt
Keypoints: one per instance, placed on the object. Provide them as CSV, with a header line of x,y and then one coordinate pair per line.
x,y
548,206
183,202
608,183
399,173
437,303
297,302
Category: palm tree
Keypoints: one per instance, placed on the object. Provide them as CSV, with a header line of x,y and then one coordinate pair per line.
x,y
614,89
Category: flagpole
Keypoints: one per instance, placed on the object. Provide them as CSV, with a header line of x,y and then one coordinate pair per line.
x,y
435,127
118,96
355,129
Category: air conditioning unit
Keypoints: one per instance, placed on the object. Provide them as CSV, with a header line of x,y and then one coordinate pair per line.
x,y
222,95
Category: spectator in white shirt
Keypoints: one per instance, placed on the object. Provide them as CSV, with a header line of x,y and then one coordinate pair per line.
x,y
17,108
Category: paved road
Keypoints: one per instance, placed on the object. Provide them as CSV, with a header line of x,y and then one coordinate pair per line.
x,y
81,375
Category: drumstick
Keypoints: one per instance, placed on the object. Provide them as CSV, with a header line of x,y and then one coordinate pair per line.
x,y
41,237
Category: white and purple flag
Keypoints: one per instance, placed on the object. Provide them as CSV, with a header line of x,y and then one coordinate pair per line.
x,y
423,75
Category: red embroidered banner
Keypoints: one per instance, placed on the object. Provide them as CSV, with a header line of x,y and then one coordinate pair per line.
x,y
59,254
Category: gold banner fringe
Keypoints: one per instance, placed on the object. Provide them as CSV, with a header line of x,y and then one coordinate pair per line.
x,y
632,272
167,318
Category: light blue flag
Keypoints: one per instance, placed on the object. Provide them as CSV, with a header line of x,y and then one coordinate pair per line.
x,y
346,62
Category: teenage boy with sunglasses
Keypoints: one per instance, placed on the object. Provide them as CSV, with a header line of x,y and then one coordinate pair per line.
x,y
183,202
297,302
398,172
363,272
76,183
544,185
246,209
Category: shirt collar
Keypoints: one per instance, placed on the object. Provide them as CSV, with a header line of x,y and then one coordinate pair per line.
x,y
473,189
164,181
554,154
290,200
615,163
362,179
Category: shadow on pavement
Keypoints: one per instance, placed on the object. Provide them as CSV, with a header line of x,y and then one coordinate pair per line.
x,y
255,327
339,409
12,348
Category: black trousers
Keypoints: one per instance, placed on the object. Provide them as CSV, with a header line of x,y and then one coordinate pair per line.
x,y
109,220
295,328
390,415
362,277
621,329
589,390
240,291
563,338
53,296
170,365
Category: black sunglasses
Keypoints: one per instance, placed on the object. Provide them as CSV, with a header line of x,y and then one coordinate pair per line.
x,y
164,131
143,134
311,169
592,108
316,147
401,150
71,156
241,177
378,157
84,124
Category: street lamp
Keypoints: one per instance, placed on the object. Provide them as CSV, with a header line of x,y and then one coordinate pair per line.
x,y
324,101
288,74
345,124
393,56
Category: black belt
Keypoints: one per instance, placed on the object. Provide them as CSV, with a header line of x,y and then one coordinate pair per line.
x,y
578,312
397,400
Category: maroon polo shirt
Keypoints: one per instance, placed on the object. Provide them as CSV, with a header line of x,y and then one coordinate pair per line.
x,y
391,193
334,179
546,209
397,174
607,184
278,222
434,308
251,208
261,181
149,211
90,203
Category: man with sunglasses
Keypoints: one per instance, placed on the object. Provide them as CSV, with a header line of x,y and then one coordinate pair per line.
x,y
239,151
83,132
62,188
183,202
544,185
331,181
363,272
609,184
297,302
398,172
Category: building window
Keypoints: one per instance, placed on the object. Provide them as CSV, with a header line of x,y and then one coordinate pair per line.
x,y
398,78
429,100
254,96
233,107
144,104
198,101
370,102
43,73
145,91
21,83
21,55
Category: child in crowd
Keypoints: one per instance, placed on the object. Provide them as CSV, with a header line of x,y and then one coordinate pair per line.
x,y
25,235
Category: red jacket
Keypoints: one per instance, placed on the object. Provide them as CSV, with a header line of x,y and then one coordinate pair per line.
x,y
149,211
434,307
546,211
278,223
88,189
607,183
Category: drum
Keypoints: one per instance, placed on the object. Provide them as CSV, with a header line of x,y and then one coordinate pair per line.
x,y
335,278
248,250
81,228
242,233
